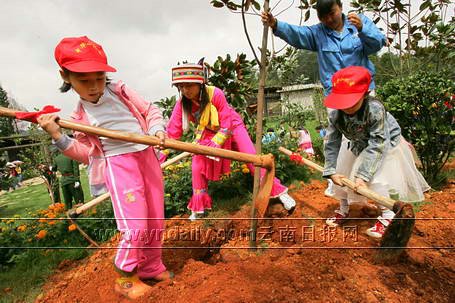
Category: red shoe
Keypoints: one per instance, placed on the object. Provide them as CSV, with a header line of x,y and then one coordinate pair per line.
x,y
131,287
337,220
377,231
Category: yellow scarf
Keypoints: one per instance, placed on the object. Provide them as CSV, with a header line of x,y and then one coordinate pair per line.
x,y
209,117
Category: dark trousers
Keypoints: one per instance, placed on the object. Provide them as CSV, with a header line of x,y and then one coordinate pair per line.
x,y
70,192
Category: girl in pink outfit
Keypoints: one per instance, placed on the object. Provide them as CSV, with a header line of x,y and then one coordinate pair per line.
x,y
217,125
130,171
305,143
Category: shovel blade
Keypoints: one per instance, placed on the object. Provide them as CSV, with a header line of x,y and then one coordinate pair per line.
x,y
397,234
262,198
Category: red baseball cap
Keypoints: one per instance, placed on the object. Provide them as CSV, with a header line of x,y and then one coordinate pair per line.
x,y
349,85
81,55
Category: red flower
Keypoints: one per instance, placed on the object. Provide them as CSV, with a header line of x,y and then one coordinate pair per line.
x,y
448,105
295,158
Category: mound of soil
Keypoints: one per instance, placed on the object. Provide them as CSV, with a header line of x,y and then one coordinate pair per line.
x,y
299,259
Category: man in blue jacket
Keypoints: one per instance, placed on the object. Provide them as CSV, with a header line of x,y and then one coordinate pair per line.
x,y
339,40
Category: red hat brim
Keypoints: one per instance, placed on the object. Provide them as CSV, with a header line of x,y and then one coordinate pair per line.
x,y
342,101
88,67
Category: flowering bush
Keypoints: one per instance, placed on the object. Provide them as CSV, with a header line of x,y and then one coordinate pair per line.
x,y
48,228
423,104
178,188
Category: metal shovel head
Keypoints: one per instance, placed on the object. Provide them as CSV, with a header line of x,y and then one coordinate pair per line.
x,y
397,234
262,198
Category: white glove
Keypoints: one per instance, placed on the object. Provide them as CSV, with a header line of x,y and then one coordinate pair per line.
x,y
77,184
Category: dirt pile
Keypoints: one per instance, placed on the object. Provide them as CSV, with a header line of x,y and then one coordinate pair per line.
x,y
298,260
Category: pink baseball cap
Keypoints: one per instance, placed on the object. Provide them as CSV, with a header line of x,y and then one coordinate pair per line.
x,y
81,55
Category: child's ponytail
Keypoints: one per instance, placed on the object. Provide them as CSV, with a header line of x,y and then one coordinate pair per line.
x,y
66,86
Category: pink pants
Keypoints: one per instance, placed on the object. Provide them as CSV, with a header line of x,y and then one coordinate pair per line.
x,y
136,186
241,142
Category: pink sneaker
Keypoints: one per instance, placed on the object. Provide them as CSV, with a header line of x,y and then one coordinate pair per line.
x,y
336,220
377,231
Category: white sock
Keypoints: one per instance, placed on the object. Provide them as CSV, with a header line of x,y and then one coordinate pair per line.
x,y
330,185
387,213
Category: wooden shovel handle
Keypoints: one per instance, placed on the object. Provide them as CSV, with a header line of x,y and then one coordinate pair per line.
x,y
92,203
265,161
384,201
175,159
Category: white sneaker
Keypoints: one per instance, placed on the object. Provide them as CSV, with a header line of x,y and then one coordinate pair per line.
x,y
288,201
377,231
195,216
338,219
329,190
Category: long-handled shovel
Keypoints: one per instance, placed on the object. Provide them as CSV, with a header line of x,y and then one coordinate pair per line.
x,y
399,231
265,161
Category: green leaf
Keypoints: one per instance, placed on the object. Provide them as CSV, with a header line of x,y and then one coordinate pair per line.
x,y
256,5
217,4
307,15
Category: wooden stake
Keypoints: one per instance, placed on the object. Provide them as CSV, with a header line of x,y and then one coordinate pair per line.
x,y
260,114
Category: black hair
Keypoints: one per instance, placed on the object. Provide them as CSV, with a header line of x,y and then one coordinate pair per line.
x,y
319,127
324,7
204,101
66,86
270,130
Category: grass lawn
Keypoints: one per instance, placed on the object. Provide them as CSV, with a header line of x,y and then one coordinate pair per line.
x,y
28,199
22,282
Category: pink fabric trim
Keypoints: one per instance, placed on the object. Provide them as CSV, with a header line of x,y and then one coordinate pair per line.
x,y
200,201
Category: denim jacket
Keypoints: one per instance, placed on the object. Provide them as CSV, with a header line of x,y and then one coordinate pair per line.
x,y
336,50
371,131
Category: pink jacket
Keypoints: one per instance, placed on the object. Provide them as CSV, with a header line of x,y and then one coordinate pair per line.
x,y
87,148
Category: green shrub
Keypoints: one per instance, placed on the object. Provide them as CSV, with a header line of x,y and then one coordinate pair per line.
x,y
423,104
177,187
286,170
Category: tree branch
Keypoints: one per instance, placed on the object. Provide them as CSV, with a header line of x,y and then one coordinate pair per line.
x,y
247,35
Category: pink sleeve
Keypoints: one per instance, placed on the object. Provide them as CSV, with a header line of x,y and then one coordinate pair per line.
x,y
151,113
174,126
223,108
79,148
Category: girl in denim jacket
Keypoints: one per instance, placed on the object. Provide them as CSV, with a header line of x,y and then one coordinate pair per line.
x,y
377,155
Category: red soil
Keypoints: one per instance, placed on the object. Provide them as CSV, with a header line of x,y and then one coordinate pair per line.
x,y
286,268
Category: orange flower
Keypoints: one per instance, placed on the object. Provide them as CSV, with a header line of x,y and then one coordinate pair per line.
x,y
52,222
51,216
22,228
41,234
72,227
42,220
59,207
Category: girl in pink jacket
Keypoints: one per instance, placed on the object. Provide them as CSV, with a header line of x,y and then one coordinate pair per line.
x,y
130,171
217,125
